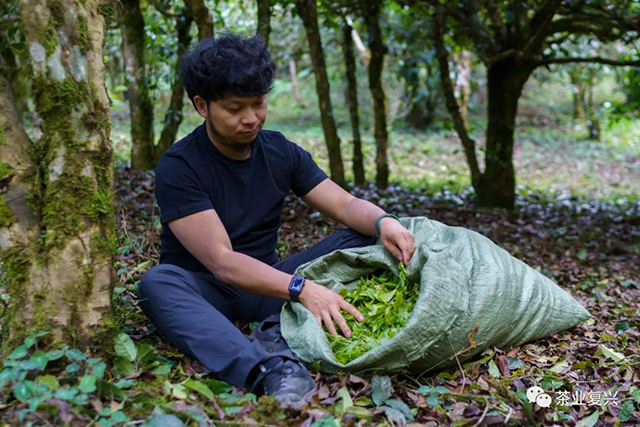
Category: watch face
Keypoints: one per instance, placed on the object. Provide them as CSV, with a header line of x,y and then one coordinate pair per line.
x,y
296,284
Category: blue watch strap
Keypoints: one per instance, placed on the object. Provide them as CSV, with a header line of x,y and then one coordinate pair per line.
x,y
380,218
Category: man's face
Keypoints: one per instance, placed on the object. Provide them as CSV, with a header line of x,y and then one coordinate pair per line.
x,y
235,120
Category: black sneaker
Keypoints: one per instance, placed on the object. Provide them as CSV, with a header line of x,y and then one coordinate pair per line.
x,y
269,335
288,381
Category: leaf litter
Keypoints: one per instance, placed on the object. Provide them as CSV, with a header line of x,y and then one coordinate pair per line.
x,y
590,247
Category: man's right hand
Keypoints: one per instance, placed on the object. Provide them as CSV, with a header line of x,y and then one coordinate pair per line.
x,y
326,305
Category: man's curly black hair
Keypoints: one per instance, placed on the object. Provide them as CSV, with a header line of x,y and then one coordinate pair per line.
x,y
227,64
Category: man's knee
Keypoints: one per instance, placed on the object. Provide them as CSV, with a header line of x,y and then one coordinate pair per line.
x,y
160,279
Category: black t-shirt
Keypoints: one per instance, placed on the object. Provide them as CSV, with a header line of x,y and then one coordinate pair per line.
x,y
193,176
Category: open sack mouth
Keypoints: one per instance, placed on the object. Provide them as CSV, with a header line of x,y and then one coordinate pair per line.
x,y
386,301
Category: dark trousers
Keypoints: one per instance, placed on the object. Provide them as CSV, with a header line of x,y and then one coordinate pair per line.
x,y
196,311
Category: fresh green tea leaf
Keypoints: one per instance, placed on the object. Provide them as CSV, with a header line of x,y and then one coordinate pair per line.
x,y
386,302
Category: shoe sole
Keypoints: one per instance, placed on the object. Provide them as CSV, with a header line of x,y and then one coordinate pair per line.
x,y
297,404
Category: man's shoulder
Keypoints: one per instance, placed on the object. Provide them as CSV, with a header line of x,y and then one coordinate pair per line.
x,y
181,155
273,136
185,145
182,149
274,140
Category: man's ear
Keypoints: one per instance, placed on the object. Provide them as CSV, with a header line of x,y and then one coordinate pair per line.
x,y
201,106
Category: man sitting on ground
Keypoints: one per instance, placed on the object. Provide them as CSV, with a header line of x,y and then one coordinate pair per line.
x,y
221,190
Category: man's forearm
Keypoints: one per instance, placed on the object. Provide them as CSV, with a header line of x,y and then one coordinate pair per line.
x,y
252,275
360,215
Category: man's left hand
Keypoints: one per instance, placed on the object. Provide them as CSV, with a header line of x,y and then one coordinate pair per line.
x,y
397,239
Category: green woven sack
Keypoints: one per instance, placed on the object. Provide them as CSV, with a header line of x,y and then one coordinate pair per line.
x,y
465,279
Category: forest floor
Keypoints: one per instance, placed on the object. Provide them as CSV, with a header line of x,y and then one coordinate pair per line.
x,y
589,245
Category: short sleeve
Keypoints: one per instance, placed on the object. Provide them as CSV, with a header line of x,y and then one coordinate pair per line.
x,y
305,173
178,190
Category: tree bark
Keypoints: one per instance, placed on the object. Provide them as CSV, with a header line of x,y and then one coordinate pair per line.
x,y
19,82
451,103
352,103
578,91
264,20
57,248
173,118
463,82
371,12
294,81
308,12
593,123
421,106
140,104
505,81
201,15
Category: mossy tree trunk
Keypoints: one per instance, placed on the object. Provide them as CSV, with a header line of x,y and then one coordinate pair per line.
x,y
505,80
264,20
294,81
371,13
173,117
140,103
308,12
57,233
463,60
352,102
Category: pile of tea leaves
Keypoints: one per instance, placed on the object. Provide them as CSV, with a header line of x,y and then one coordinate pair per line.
x,y
386,302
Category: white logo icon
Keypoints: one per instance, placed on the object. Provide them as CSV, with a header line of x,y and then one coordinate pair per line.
x,y
533,392
537,395
543,400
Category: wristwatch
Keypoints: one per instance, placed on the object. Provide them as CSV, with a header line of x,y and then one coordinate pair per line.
x,y
295,287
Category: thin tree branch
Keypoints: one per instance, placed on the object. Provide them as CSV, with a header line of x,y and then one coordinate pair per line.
x,y
503,55
468,144
592,60
541,23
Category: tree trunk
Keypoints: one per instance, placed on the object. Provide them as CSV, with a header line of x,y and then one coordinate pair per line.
x,y
593,123
19,82
115,71
421,107
505,81
451,102
463,82
140,105
57,233
371,12
264,20
352,103
578,90
173,118
202,17
308,12
294,81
